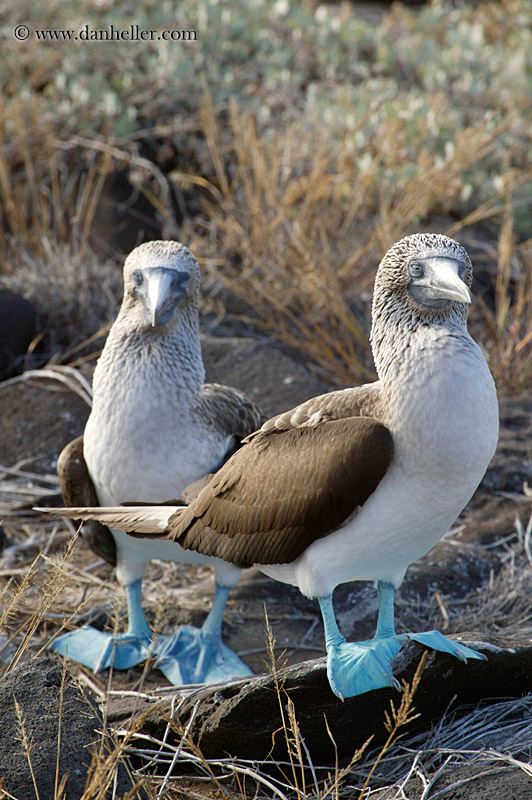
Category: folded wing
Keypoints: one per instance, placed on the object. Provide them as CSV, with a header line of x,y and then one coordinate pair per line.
x,y
284,490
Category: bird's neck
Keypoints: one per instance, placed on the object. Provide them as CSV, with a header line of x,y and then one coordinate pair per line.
x,y
169,358
394,336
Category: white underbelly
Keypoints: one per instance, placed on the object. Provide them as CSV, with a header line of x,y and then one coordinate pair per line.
x,y
151,464
153,468
396,526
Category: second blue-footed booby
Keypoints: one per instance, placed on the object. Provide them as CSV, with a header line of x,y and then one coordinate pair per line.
x,y
155,427
359,483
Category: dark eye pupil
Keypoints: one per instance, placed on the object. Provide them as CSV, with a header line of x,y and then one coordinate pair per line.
x,y
416,270
137,277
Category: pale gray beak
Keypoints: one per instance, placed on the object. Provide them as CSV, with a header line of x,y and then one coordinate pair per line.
x,y
161,290
437,280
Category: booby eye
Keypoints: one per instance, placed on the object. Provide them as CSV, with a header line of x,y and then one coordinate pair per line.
x,y
416,269
137,277
461,269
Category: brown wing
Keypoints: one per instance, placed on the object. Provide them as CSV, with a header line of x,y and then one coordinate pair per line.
x,y
78,489
284,490
355,402
231,409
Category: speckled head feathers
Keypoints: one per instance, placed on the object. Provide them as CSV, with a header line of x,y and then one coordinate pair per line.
x,y
396,312
166,254
393,270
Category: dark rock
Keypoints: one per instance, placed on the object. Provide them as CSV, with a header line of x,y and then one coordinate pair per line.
x,y
36,421
227,721
36,686
4,541
452,568
18,326
261,369
512,464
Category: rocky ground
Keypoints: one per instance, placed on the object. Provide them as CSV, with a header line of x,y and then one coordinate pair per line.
x,y
474,584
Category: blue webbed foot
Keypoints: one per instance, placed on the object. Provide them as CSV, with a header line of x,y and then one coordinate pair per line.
x,y
191,655
98,650
437,641
357,667
198,655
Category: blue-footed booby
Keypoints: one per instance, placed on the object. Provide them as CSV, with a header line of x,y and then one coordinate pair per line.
x,y
154,428
359,483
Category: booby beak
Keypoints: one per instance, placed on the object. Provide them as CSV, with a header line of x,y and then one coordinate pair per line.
x,y
161,292
436,280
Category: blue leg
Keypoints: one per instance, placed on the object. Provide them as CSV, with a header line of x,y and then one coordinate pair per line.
x,y
433,639
192,655
98,649
358,667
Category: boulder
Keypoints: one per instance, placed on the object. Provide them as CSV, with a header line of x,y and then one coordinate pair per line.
x,y
227,721
60,725
18,326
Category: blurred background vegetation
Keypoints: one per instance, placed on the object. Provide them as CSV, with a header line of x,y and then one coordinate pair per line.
x,y
289,145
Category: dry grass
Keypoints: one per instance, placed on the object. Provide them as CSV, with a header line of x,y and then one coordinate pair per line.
x,y
506,329
42,196
298,226
51,186
299,211
50,191
292,230
46,582
76,296
482,740
502,605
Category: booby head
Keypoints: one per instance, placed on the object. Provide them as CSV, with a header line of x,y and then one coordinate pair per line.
x,y
159,278
424,279
428,271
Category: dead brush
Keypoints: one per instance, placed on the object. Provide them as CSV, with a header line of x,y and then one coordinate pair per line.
x,y
48,199
27,605
507,328
51,185
298,778
43,196
502,605
50,191
484,739
73,293
21,616
298,227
